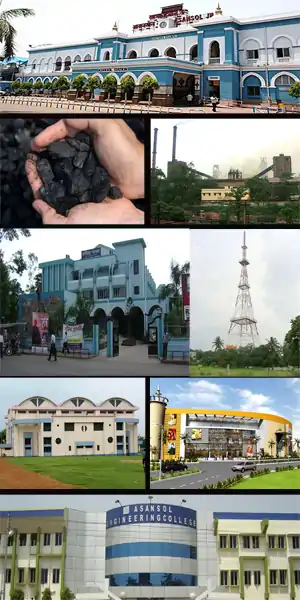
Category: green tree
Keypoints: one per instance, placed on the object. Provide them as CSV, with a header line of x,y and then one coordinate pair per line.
x,y
92,84
48,85
127,84
81,311
296,443
10,288
3,436
8,32
174,289
17,594
78,83
61,84
238,195
271,445
292,343
218,343
66,594
294,90
38,85
47,594
16,85
149,84
109,84
260,190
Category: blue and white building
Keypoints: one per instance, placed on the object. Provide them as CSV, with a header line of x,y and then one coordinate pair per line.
x,y
152,550
252,59
108,277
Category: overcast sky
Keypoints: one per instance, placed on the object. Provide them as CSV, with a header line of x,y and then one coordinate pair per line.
x,y
162,246
274,277
14,391
229,143
59,22
265,395
204,503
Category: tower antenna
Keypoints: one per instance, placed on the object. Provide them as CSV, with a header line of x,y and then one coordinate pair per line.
x,y
243,321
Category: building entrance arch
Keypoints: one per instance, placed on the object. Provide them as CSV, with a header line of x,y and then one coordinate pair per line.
x,y
136,323
100,318
118,315
183,85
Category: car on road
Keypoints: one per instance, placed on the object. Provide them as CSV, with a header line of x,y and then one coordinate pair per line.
x,y
170,466
246,465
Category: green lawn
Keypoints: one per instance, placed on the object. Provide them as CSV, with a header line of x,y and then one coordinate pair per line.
x,y
92,472
196,371
284,480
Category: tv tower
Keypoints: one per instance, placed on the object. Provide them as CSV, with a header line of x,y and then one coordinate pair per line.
x,y
243,322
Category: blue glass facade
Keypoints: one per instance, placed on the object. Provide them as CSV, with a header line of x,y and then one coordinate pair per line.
x,y
168,549
155,579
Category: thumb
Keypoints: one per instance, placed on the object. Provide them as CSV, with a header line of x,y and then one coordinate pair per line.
x,y
48,214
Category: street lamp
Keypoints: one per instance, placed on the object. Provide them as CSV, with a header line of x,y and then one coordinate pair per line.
x,y
182,502
118,502
150,498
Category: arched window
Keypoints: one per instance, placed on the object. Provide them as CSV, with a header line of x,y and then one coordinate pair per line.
x,y
153,53
42,65
87,58
33,65
214,53
58,64
194,52
77,58
170,52
284,80
67,65
106,55
132,54
50,65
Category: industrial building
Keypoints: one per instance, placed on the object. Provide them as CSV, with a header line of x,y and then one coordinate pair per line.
x,y
251,60
151,550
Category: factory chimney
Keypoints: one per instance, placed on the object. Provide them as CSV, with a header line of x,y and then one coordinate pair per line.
x,y
174,143
154,153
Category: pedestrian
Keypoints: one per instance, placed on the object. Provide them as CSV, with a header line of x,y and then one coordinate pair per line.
x,y
65,344
52,347
215,101
189,98
166,339
1,344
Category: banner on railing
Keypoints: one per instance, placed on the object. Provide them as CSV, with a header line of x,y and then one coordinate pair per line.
x,y
73,335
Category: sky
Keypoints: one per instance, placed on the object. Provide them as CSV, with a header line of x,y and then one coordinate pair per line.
x,y
206,503
59,22
229,143
274,278
54,244
13,391
280,396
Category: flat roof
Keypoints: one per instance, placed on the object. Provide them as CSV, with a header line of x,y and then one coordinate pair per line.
x,y
229,413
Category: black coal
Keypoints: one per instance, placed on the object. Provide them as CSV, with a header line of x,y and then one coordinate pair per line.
x,y
69,170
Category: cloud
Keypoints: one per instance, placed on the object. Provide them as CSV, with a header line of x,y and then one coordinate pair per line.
x,y
199,393
256,402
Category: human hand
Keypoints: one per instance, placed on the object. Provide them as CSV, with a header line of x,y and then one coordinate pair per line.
x,y
108,212
116,146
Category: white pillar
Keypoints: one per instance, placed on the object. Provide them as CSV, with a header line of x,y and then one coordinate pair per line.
x,y
124,434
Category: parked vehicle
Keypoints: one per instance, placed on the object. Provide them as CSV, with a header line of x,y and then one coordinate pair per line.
x,y
246,465
170,466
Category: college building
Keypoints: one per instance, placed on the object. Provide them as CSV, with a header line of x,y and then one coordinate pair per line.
x,y
108,277
153,551
40,427
253,59
216,433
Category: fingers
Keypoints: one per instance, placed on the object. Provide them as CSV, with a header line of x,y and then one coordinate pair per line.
x,y
48,214
32,175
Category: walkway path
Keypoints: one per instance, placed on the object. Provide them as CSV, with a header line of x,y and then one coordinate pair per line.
x,y
14,477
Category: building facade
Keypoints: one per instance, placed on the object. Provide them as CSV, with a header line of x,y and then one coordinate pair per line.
x,y
108,277
78,426
250,60
151,551
217,433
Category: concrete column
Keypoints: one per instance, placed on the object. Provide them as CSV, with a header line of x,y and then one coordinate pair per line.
x,y
229,46
200,46
124,437
109,339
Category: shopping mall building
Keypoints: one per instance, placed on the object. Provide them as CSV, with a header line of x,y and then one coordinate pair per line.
x,y
216,433
250,59
40,427
155,551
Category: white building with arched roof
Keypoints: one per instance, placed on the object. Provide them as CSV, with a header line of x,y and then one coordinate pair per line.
x,y
40,427
203,54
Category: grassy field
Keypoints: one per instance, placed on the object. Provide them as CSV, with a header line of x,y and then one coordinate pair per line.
x,y
197,371
284,480
91,472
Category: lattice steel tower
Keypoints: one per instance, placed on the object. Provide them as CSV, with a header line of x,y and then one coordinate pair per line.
x,y
243,324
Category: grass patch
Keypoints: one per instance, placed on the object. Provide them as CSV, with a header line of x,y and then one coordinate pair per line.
x,y
286,480
196,371
91,472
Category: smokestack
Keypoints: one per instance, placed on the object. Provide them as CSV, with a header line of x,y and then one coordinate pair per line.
x,y
174,143
154,153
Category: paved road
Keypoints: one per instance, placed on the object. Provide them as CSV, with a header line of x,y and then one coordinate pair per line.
x,y
211,472
37,366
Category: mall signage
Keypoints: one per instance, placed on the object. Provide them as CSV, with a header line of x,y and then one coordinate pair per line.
x,y
164,514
